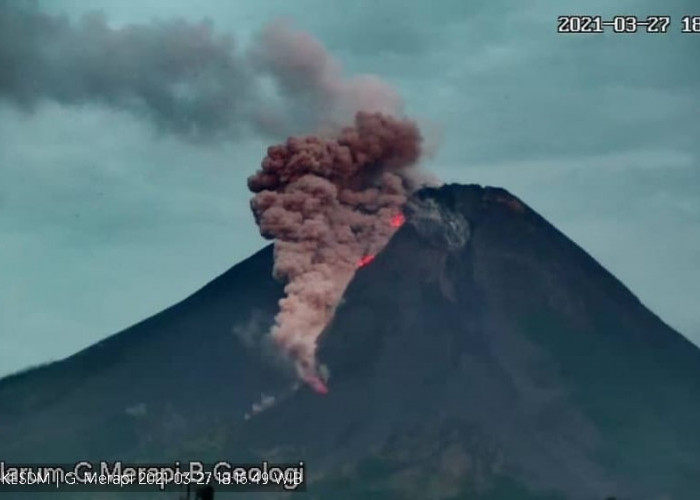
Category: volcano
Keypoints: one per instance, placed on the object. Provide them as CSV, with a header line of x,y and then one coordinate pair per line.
x,y
481,355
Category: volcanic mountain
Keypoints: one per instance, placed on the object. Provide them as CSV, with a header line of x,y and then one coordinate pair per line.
x,y
481,355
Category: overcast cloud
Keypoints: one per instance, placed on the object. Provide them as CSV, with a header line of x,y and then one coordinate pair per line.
x,y
120,198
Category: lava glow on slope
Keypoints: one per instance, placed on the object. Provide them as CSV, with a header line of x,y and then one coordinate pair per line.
x,y
364,261
398,220
317,384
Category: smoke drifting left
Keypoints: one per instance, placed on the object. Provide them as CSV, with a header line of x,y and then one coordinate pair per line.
x,y
181,76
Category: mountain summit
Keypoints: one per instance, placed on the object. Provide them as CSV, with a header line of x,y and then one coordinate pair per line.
x,y
480,355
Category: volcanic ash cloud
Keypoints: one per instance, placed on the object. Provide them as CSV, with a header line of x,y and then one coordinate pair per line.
x,y
329,203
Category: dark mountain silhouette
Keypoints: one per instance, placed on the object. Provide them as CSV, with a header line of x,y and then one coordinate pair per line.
x,y
481,355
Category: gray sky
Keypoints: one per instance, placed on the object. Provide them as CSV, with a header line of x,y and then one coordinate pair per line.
x,y
109,212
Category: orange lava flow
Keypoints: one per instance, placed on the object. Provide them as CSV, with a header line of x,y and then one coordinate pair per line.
x,y
398,220
317,384
365,260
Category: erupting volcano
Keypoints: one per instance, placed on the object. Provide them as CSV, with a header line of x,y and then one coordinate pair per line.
x,y
330,205
479,353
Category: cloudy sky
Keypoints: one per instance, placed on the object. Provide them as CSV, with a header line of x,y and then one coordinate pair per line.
x,y
122,192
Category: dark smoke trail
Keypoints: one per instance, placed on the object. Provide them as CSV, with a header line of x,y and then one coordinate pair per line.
x,y
181,76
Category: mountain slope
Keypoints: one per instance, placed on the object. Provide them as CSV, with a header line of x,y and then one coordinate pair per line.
x,y
163,379
481,355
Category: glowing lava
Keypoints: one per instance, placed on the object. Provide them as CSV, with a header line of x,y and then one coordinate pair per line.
x,y
364,261
398,220
316,384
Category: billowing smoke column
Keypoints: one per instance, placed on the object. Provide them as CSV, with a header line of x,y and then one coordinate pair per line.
x,y
329,204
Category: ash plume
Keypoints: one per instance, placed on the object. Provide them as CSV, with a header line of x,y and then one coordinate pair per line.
x,y
312,83
328,203
329,200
